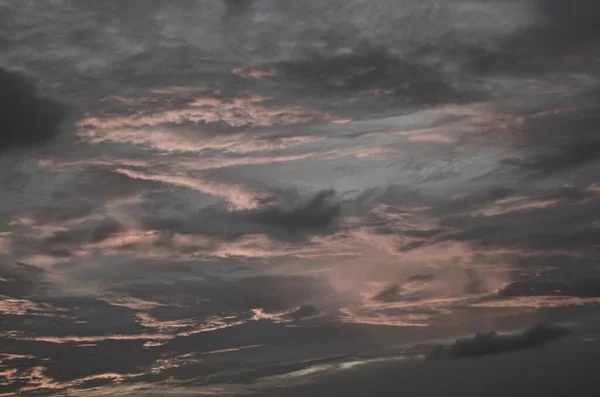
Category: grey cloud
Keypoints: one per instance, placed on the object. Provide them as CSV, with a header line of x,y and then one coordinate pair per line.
x,y
236,8
474,285
185,297
370,80
302,312
483,344
20,278
571,228
525,216
472,201
317,215
96,185
560,31
67,210
26,118
561,141
567,158
421,278
86,233
391,293
585,288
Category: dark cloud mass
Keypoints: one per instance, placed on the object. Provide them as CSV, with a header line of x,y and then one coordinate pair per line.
x,y
492,343
316,215
579,288
390,293
560,32
26,119
421,278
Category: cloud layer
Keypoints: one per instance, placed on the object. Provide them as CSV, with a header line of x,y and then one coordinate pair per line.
x,y
232,196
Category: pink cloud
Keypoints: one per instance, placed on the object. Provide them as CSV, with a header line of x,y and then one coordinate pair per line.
x,y
238,195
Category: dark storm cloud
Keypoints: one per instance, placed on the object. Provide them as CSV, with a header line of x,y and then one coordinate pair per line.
x,y
329,62
568,227
575,155
421,278
369,79
561,141
391,293
561,41
561,31
26,119
521,217
483,344
317,215
20,279
585,288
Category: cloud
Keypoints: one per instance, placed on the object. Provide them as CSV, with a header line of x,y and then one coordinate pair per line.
x,y
87,233
560,141
474,285
301,312
66,211
558,32
585,288
391,293
560,219
365,79
421,278
317,215
236,8
483,344
26,119
238,195
212,134
303,218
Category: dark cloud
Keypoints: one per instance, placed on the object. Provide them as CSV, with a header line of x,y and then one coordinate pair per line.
x,y
584,288
544,46
86,233
26,119
483,344
421,278
575,155
66,211
301,312
236,8
370,80
20,278
474,285
137,66
561,141
541,219
391,293
315,216
544,228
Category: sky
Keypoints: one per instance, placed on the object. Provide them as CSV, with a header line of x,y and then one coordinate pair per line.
x,y
292,198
